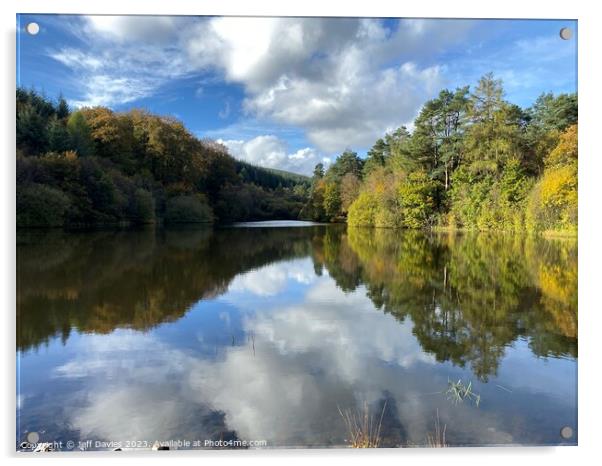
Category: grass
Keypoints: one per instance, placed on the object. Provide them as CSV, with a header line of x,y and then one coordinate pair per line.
x,y
457,392
437,438
363,431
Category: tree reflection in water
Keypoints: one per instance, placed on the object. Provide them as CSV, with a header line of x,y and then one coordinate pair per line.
x,y
469,296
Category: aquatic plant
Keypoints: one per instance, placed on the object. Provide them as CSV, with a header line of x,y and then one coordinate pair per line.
x,y
457,392
363,431
436,439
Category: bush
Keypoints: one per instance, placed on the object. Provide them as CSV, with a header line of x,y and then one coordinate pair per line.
x,y
553,201
142,206
41,206
188,209
416,197
363,210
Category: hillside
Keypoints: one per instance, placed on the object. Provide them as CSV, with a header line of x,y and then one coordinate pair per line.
x,y
95,166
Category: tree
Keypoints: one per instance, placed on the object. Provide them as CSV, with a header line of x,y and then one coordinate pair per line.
x,y
496,130
486,99
142,206
417,200
32,134
553,201
79,132
62,109
39,205
437,136
551,112
350,188
332,200
58,136
318,171
188,209
112,134
377,156
314,207
347,162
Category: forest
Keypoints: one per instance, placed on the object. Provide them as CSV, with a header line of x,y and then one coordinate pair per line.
x,y
95,166
472,160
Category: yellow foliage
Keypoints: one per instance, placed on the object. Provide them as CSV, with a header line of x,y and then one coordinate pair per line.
x,y
553,202
566,151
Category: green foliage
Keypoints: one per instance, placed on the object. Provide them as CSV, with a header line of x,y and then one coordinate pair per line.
x,y
270,177
458,392
554,112
142,207
188,209
59,139
79,132
363,211
436,142
327,200
40,206
32,133
416,198
475,162
314,207
347,162
332,200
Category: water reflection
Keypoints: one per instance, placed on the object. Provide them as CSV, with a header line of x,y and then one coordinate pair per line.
x,y
264,333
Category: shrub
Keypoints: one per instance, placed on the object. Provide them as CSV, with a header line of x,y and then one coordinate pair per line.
x,y
416,198
41,206
363,210
188,209
553,201
142,206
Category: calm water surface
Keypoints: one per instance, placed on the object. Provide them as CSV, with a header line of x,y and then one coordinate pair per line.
x,y
264,334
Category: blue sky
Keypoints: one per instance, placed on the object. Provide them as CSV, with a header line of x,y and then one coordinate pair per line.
x,y
288,92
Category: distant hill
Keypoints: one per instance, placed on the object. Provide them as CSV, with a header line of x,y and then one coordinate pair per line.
x,y
269,177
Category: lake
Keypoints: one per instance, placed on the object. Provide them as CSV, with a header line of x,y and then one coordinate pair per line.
x,y
280,334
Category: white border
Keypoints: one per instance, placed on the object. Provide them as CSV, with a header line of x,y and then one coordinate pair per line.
x,y
590,227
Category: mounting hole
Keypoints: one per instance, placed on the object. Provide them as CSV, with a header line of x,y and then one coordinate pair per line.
x,y
32,28
566,33
566,432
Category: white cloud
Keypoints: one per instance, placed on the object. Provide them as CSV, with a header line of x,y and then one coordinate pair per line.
x,y
273,278
272,152
225,112
153,29
333,78
323,350
343,81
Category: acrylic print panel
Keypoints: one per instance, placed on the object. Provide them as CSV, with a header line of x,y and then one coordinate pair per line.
x,y
240,232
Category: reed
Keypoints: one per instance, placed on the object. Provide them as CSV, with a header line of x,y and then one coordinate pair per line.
x,y
436,439
363,430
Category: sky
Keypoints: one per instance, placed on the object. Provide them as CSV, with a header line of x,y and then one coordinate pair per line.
x,y
288,93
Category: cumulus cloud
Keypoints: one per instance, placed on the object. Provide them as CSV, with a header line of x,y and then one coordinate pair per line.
x,y
272,152
273,278
342,81
332,77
